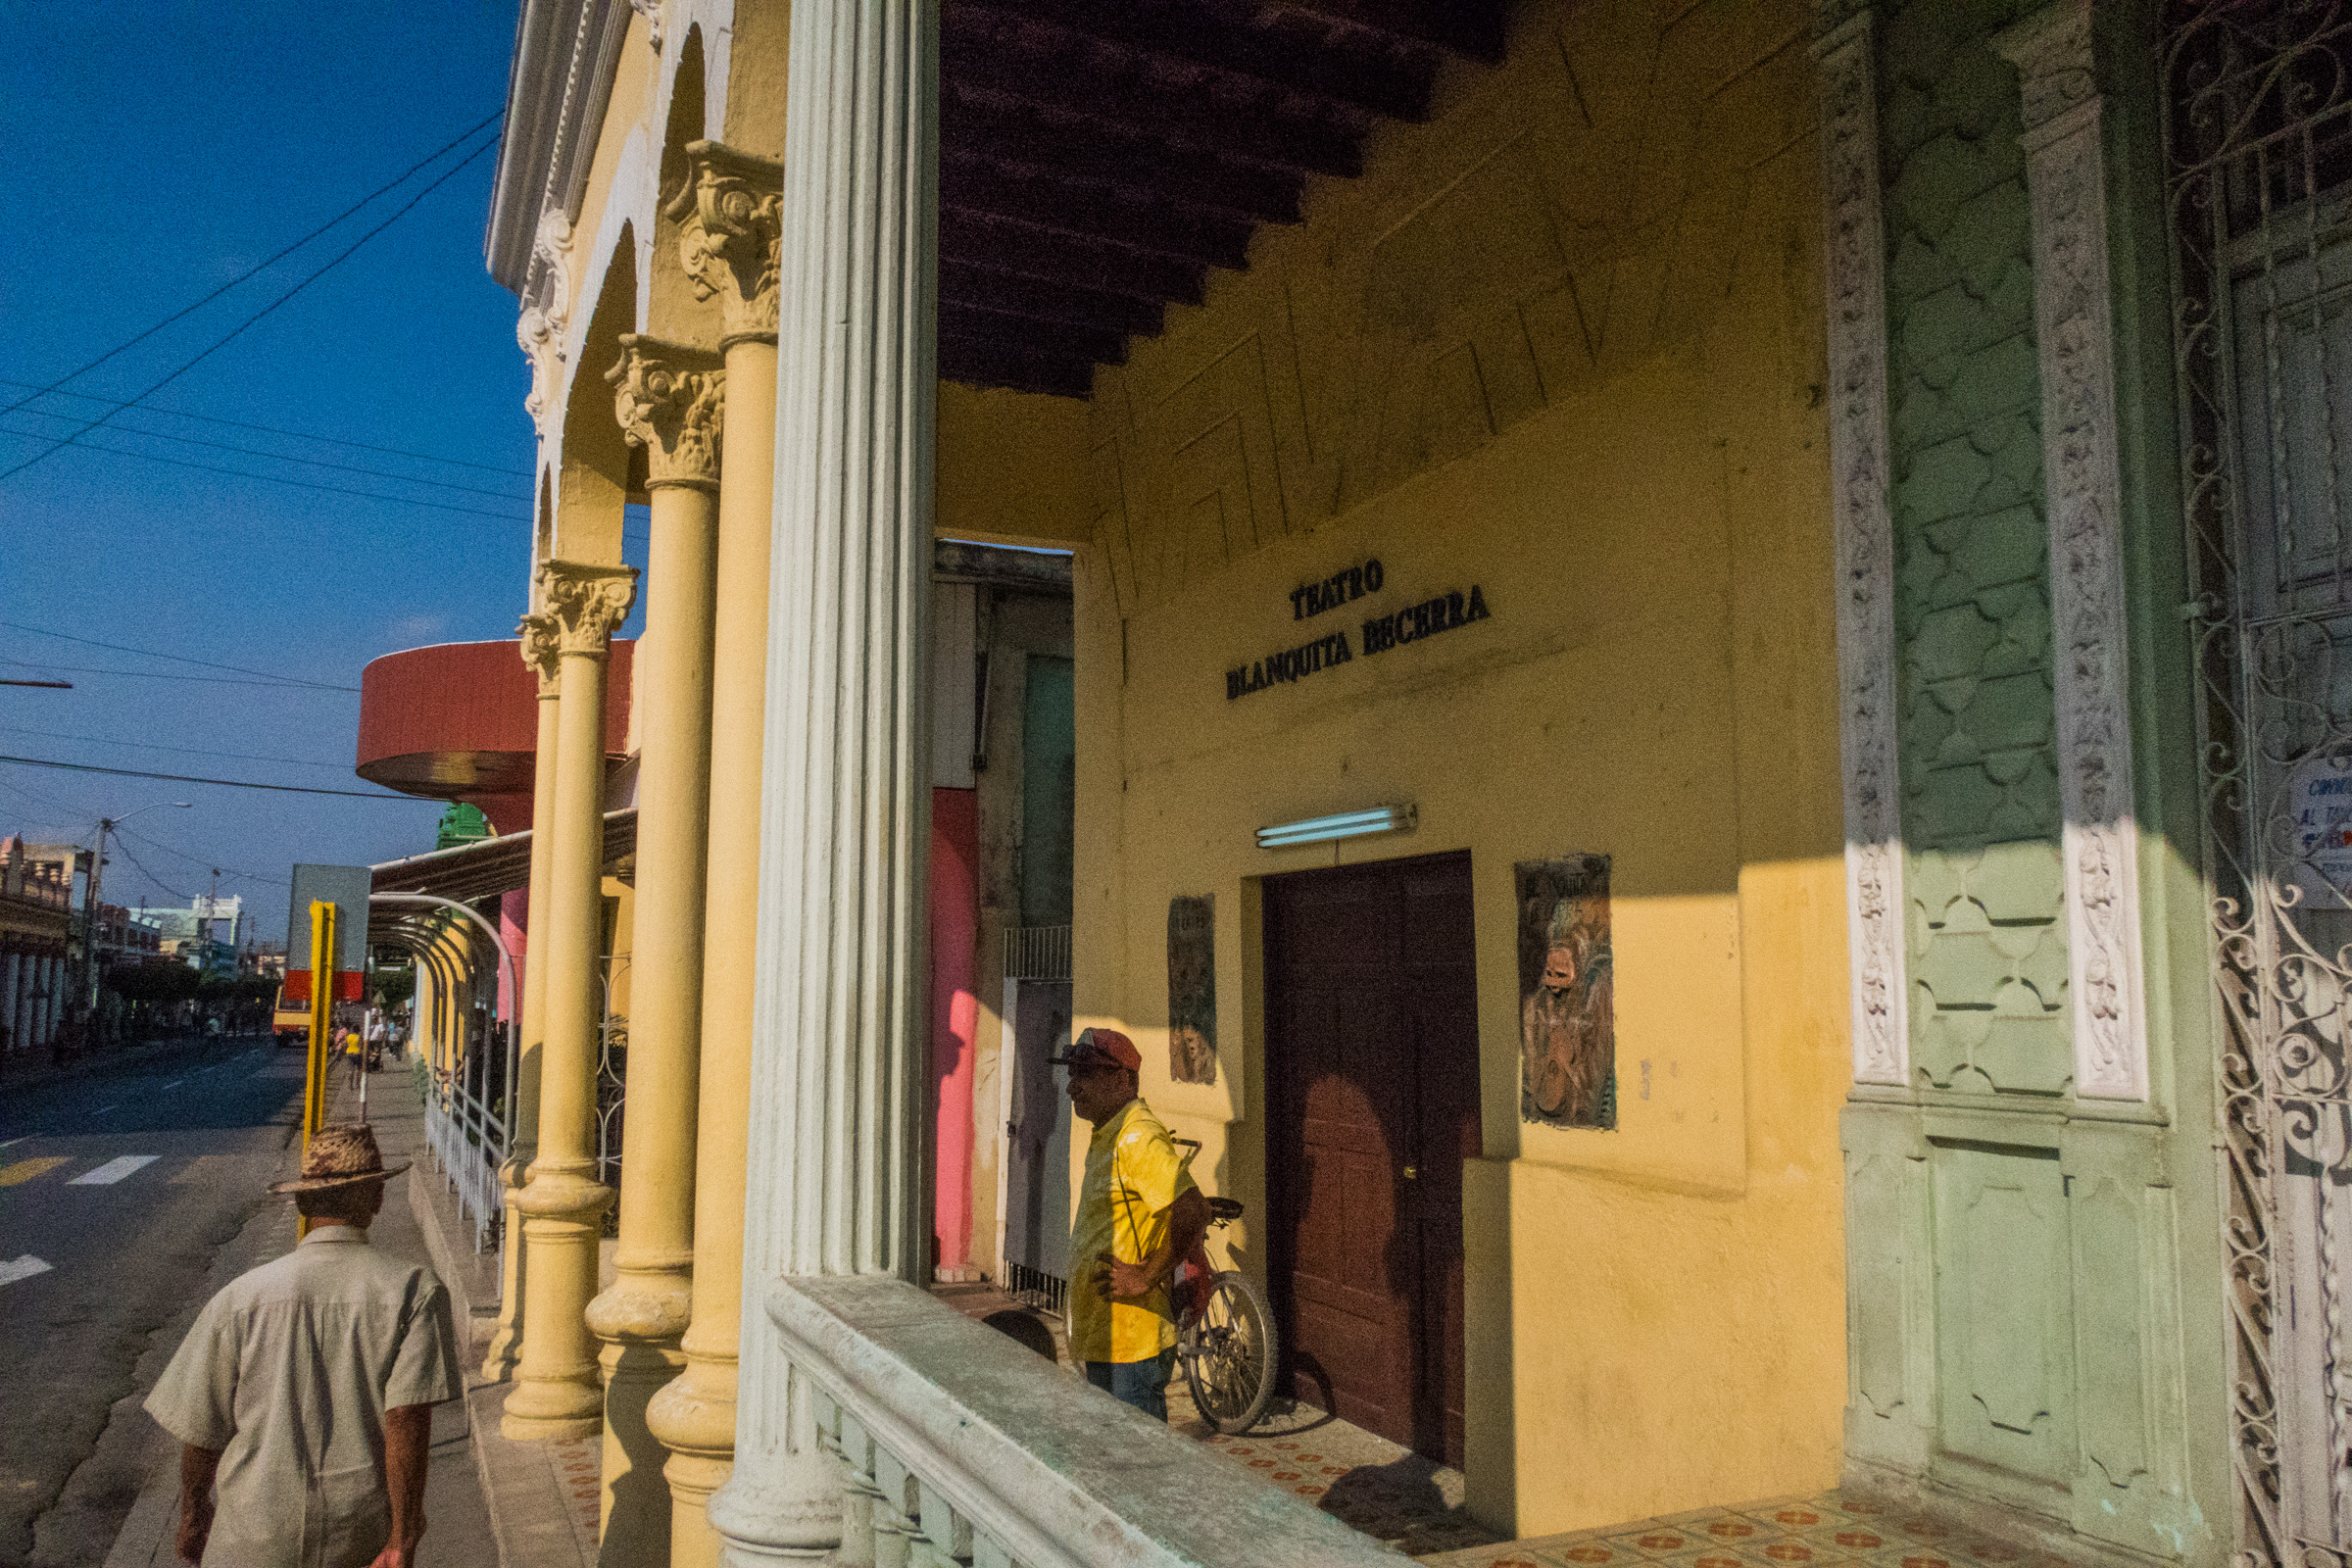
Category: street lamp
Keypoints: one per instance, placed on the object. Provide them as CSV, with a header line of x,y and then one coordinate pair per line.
x,y
90,918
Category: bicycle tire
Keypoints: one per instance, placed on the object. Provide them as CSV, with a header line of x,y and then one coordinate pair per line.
x,y
1230,1351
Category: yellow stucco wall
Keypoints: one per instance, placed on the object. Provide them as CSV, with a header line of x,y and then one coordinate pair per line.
x,y
1562,343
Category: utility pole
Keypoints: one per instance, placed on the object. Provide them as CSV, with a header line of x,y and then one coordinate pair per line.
x,y
88,990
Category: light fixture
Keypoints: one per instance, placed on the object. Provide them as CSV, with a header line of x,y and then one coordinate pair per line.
x,y
1343,825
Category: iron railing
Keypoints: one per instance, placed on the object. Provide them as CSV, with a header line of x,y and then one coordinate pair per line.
x,y
2258,143
469,1127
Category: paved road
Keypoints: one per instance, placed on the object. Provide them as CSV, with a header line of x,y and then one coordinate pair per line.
x,y
125,1197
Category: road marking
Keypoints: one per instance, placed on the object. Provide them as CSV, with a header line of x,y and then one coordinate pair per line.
x,y
176,1083
14,1141
113,1170
25,1170
23,1268
102,1110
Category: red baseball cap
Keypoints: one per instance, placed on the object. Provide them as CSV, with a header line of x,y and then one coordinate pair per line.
x,y
1101,1047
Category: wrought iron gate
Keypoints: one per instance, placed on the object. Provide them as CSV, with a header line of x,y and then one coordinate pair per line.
x,y
2258,143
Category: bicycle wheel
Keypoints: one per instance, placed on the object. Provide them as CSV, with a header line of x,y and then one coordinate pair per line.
x,y
1229,1353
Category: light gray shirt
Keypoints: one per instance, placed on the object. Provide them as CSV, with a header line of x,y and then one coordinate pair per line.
x,y
288,1372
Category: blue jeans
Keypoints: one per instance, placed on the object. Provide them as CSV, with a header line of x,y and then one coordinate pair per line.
x,y
1142,1384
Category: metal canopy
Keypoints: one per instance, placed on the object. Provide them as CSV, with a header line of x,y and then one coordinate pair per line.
x,y
491,866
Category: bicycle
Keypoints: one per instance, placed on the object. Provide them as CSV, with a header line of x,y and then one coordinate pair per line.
x,y
1225,1335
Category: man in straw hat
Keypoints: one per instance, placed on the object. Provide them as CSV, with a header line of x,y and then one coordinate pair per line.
x,y
303,1393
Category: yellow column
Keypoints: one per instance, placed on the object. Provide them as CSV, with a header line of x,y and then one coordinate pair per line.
x,y
668,399
730,249
557,1395
539,652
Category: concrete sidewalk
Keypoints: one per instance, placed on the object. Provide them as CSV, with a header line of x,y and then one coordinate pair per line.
x,y
458,1519
542,1496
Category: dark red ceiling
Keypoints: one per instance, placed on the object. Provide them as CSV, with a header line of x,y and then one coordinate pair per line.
x,y
1095,158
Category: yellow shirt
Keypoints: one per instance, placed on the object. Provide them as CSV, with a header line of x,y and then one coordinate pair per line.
x,y
1131,1176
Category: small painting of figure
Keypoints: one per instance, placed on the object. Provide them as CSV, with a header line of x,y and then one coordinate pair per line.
x,y
1567,1020
1191,991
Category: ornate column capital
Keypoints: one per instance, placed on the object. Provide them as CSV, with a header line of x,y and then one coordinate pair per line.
x,y
668,398
546,311
2052,52
653,11
585,603
540,650
731,213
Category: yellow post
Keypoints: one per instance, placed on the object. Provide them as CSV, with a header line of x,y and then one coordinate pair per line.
x,y
323,1004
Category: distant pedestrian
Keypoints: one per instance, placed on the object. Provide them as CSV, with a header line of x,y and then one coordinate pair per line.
x,y
302,1395
354,1052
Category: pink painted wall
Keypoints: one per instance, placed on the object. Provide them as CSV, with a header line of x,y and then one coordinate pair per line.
x,y
955,1011
513,929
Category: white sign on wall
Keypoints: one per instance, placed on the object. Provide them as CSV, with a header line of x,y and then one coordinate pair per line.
x,y
2318,802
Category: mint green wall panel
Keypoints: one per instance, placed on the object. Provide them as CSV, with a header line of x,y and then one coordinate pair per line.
x,y
2004,1327
1986,942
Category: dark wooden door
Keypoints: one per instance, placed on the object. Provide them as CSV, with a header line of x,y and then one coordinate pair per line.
x,y
1372,1052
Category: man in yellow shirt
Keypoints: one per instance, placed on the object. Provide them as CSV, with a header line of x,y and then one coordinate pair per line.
x,y
1139,1214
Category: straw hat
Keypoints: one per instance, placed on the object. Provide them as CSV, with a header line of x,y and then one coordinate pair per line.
x,y
342,1155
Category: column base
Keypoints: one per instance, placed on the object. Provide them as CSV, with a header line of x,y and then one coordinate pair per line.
x,y
640,1318
694,1418
505,1352
559,1396
790,1514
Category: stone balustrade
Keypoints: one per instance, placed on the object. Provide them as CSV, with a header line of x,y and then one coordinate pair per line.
x,y
961,1445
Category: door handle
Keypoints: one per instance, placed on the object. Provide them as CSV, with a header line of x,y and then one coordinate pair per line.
x,y
1411,1172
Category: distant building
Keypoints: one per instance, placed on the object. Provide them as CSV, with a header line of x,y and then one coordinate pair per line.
x,y
204,935
36,943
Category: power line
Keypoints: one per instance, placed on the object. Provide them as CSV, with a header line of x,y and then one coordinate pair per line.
x,y
177,658
241,328
224,783
273,456
189,751
81,445
124,849
405,175
266,429
210,862
157,674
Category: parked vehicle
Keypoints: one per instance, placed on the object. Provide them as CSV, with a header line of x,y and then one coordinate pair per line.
x,y
291,1021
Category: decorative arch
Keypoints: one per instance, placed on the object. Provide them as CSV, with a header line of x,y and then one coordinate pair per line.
x,y
593,465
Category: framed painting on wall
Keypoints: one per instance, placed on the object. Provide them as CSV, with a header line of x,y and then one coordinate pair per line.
x,y
1567,1017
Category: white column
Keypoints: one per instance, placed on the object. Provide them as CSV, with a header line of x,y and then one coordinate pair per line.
x,y
1855,258
20,1000
2083,485
11,965
53,969
837,1039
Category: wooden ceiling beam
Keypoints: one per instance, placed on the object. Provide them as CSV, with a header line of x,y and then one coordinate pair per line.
x,y
1094,210
978,362
1385,83
1062,71
964,283
1031,335
1015,135
1471,29
1016,248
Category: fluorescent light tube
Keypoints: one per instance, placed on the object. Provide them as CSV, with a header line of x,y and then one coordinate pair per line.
x,y
1342,825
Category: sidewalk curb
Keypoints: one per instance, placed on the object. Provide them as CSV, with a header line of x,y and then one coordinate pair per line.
x,y
529,1519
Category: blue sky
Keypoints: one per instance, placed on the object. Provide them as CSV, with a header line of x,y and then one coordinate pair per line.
x,y
157,151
